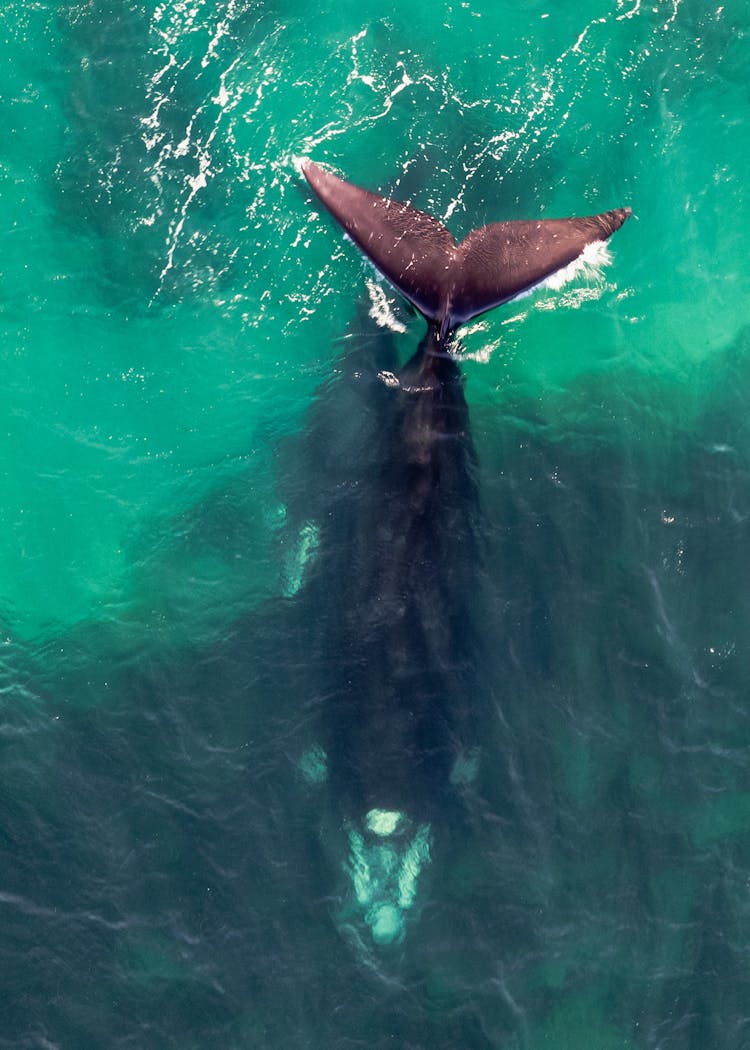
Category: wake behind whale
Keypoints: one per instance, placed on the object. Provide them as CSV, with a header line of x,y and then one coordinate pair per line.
x,y
402,703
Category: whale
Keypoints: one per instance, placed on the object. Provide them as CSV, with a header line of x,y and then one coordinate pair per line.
x,y
450,283
397,589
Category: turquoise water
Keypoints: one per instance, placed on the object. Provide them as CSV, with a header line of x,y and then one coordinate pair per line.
x,y
175,312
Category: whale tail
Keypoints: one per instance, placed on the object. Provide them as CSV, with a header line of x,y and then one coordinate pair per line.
x,y
451,283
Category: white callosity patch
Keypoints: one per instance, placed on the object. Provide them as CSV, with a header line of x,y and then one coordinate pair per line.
x,y
385,870
383,821
386,923
417,854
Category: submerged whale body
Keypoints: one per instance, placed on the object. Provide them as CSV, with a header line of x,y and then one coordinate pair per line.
x,y
401,565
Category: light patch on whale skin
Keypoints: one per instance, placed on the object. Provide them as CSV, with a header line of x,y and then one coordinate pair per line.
x,y
314,765
383,821
384,872
417,855
299,558
465,768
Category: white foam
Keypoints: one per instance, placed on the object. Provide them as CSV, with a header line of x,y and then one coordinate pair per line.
x,y
589,266
381,310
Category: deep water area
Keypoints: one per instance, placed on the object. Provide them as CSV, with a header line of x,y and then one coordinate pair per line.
x,y
197,390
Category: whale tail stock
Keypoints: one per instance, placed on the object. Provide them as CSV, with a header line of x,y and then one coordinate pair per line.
x,y
451,283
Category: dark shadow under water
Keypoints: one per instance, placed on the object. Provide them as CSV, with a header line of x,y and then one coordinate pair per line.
x,y
165,880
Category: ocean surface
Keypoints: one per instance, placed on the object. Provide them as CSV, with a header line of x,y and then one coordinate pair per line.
x,y
190,354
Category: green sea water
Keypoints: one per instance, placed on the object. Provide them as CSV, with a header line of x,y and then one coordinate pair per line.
x,y
172,301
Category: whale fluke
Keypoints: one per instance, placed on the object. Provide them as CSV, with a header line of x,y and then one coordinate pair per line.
x,y
450,283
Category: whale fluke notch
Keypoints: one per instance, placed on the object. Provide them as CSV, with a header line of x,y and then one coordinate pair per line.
x,y
451,283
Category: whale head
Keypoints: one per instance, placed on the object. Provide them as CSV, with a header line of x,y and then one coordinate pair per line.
x,y
388,854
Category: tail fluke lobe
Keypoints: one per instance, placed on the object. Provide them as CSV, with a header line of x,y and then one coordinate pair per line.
x,y
410,248
499,262
449,283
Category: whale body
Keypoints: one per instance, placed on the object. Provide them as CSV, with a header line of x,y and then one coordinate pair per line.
x,y
401,554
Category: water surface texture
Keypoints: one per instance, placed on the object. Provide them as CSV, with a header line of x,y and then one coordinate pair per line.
x,y
190,397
